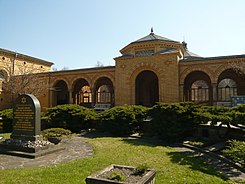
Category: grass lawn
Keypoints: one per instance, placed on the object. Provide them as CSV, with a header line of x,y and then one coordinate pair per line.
x,y
5,136
171,166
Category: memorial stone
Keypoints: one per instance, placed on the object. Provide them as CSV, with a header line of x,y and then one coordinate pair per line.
x,y
26,118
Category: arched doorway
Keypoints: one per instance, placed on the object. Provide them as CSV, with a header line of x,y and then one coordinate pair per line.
x,y
146,89
197,88
61,93
104,92
82,93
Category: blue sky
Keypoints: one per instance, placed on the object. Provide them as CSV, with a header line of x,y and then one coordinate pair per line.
x,y
80,33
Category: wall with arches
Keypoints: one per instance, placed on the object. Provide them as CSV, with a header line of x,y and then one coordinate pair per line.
x,y
226,70
162,66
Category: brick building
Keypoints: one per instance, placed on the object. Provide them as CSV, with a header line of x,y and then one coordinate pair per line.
x,y
151,69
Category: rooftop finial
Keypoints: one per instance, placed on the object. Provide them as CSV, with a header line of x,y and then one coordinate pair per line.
x,y
151,30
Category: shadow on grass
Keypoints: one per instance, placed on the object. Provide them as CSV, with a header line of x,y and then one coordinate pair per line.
x,y
144,141
187,158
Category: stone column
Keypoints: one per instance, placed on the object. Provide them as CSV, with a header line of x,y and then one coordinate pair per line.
x,y
93,97
70,97
181,92
214,87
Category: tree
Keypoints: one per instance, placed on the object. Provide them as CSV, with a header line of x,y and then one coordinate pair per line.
x,y
20,77
99,64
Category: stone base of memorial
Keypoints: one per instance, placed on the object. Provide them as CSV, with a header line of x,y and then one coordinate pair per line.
x,y
29,149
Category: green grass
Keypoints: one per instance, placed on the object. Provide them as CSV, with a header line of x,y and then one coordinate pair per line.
x,y
5,136
171,166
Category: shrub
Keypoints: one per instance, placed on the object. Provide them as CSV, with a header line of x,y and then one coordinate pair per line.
x,y
172,122
240,108
123,120
70,116
237,117
56,132
236,151
7,118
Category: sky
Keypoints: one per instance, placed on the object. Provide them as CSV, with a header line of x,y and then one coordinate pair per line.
x,y
80,33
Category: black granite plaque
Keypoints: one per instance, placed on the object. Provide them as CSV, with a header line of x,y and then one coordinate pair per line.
x,y
26,118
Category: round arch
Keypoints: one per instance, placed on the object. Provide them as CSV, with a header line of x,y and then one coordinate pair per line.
x,y
191,69
82,93
103,91
230,83
197,87
146,88
60,93
138,69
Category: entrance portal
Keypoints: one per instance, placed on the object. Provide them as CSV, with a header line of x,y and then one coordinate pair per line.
x,y
146,89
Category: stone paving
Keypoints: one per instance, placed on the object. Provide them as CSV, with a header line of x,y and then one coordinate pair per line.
x,y
74,149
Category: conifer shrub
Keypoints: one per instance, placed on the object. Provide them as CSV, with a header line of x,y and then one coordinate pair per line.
x,y
56,132
172,122
122,120
70,116
236,151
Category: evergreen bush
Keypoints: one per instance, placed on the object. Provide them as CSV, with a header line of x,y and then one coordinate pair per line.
x,y
122,120
172,122
56,132
236,151
70,116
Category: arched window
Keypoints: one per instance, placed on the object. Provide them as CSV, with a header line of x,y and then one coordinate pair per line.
x,y
226,89
199,91
86,95
103,91
104,95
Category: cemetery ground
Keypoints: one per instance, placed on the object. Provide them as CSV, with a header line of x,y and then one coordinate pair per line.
x,y
172,166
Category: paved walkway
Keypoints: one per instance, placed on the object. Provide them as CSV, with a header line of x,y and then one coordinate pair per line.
x,y
74,149
220,163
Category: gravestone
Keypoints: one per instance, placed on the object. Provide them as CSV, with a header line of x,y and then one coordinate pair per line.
x,y
26,139
26,118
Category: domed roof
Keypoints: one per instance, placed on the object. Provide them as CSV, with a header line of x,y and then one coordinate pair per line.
x,y
153,37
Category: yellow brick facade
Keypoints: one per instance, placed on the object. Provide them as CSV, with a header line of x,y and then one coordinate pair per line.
x,y
150,70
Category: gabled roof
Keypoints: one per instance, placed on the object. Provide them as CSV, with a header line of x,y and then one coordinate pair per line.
x,y
25,56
